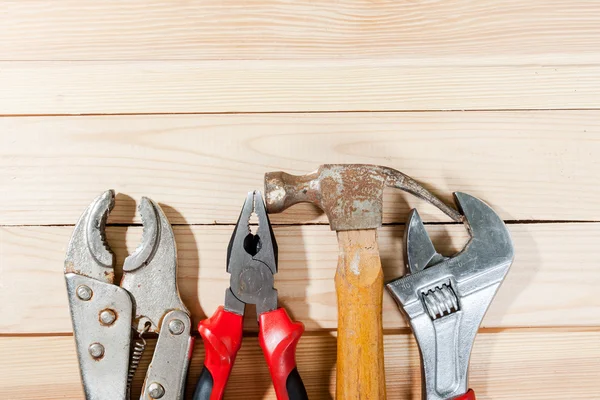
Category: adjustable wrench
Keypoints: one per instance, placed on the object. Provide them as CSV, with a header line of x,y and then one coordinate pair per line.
x,y
445,299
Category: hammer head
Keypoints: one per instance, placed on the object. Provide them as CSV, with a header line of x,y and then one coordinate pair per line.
x,y
351,195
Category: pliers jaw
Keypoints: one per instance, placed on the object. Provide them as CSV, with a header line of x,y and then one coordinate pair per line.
x,y
147,300
150,273
252,261
243,244
88,253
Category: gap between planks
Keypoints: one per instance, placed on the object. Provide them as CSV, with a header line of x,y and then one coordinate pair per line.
x,y
330,332
200,113
283,225
200,166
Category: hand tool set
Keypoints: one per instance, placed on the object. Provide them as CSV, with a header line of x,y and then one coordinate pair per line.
x,y
443,298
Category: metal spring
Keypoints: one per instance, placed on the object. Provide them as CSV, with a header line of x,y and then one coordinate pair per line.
x,y
136,356
440,301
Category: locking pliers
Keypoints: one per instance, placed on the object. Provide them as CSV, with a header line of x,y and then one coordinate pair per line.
x,y
445,299
252,263
106,316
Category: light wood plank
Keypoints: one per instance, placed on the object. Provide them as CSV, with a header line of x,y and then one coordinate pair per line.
x,y
104,87
510,31
542,165
504,365
550,259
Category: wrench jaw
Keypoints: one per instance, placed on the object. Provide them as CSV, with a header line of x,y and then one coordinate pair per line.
x,y
445,299
421,253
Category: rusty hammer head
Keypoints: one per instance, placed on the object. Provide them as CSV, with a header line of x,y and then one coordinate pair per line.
x,y
351,195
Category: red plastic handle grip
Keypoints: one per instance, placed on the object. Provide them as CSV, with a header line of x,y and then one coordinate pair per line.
x,y
278,337
470,395
222,337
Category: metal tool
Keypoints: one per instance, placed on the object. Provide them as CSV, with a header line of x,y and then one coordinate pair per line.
x,y
351,196
445,299
252,262
147,301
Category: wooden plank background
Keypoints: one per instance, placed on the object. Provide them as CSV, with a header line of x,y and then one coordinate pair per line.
x,y
190,102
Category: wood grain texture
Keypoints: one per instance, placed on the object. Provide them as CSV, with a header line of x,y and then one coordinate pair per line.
x,y
239,67
105,87
359,290
527,165
510,31
550,259
524,365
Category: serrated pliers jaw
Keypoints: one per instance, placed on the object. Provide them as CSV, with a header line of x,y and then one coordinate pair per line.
x,y
252,261
87,253
104,314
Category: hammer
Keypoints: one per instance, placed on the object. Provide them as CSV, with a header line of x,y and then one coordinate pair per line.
x,y
351,195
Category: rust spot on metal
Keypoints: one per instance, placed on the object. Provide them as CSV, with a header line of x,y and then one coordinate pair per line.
x,y
116,314
110,275
70,268
350,194
353,196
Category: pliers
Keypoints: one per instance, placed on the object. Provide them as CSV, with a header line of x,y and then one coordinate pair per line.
x,y
105,315
445,298
252,262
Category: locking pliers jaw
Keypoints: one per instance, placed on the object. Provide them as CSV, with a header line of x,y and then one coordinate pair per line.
x,y
445,299
150,273
99,309
104,314
88,254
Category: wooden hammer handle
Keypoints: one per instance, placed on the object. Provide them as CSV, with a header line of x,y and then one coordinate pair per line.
x,y
359,286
